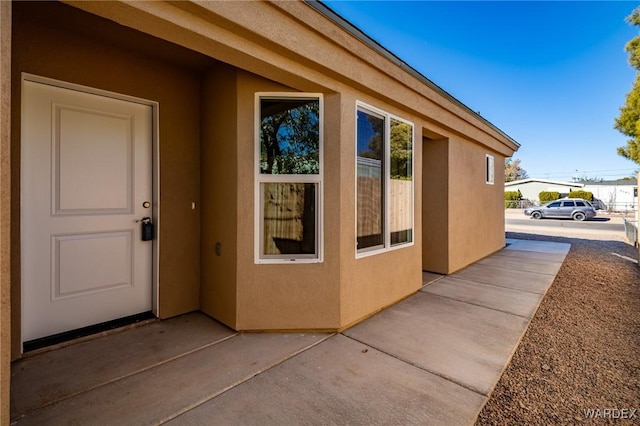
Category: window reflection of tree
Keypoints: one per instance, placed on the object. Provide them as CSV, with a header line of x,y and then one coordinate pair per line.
x,y
290,135
289,145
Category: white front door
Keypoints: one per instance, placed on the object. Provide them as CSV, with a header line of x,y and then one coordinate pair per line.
x,y
86,179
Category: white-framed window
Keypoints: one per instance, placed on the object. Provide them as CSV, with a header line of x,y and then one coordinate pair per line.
x,y
490,170
384,181
288,177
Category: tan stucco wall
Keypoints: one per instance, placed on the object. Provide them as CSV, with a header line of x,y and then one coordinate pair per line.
x,y
284,296
5,209
303,52
206,138
435,202
220,197
476,209
56,52
371,283
463,216
308,50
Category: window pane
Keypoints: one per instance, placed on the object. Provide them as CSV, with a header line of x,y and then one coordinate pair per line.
x,y
489,169
290,136
289,218
401,190
370,148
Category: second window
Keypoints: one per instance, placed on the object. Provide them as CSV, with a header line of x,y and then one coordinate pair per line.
x,y
384,160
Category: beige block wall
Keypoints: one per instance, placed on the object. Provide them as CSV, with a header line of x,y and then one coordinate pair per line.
x,y
5,209
54,51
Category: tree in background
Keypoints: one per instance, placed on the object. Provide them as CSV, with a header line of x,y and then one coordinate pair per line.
x,y
513,171
628,123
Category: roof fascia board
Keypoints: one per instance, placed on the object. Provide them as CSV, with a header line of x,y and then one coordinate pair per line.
x,y
220,30
363,37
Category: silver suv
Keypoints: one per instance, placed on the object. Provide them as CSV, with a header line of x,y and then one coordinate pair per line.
x,y
574,208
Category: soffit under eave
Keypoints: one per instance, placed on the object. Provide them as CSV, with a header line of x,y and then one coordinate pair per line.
x,y
177,23
232,37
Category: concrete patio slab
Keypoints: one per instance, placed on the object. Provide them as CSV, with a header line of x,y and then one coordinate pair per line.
x,y
42,379
521,303
430,277
164,391
467,344
516,264
520,280
538,246
431,359
530,256
341,382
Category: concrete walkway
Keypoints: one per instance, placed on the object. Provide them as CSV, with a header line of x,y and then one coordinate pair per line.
x,y
433,358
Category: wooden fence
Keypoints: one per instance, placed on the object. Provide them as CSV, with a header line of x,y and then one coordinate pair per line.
x,y
289,213
370,208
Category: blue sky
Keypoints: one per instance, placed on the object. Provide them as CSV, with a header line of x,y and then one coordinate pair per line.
x,y
550,74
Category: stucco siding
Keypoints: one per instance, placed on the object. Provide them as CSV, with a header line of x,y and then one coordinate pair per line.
x,y
203,64
435,205
476,213
373,282
220,197
288,295
58,52
5,209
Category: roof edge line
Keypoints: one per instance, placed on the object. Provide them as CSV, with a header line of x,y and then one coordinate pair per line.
x,y
329,13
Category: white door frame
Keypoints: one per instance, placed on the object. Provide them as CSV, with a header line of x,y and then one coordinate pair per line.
x,y
155,162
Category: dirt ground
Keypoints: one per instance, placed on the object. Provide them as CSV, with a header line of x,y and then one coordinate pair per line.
x,y
579,361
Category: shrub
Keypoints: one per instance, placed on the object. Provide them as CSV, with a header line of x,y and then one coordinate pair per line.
x,y
546,196
512,198
585,195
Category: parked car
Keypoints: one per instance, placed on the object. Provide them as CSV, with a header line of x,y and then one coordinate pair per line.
x,y
570,208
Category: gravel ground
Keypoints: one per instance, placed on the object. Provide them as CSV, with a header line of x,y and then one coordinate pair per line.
x,y
582,349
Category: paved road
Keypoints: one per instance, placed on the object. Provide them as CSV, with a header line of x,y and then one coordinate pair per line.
x,y
602,227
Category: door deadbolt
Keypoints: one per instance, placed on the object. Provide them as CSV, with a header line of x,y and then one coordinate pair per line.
x,y
146,204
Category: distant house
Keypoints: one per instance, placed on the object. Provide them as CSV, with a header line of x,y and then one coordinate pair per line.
x,y
616,195
531,188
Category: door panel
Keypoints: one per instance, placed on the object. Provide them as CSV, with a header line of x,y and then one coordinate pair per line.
x,y
567,208
85,264
86,172
92,177
553,210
